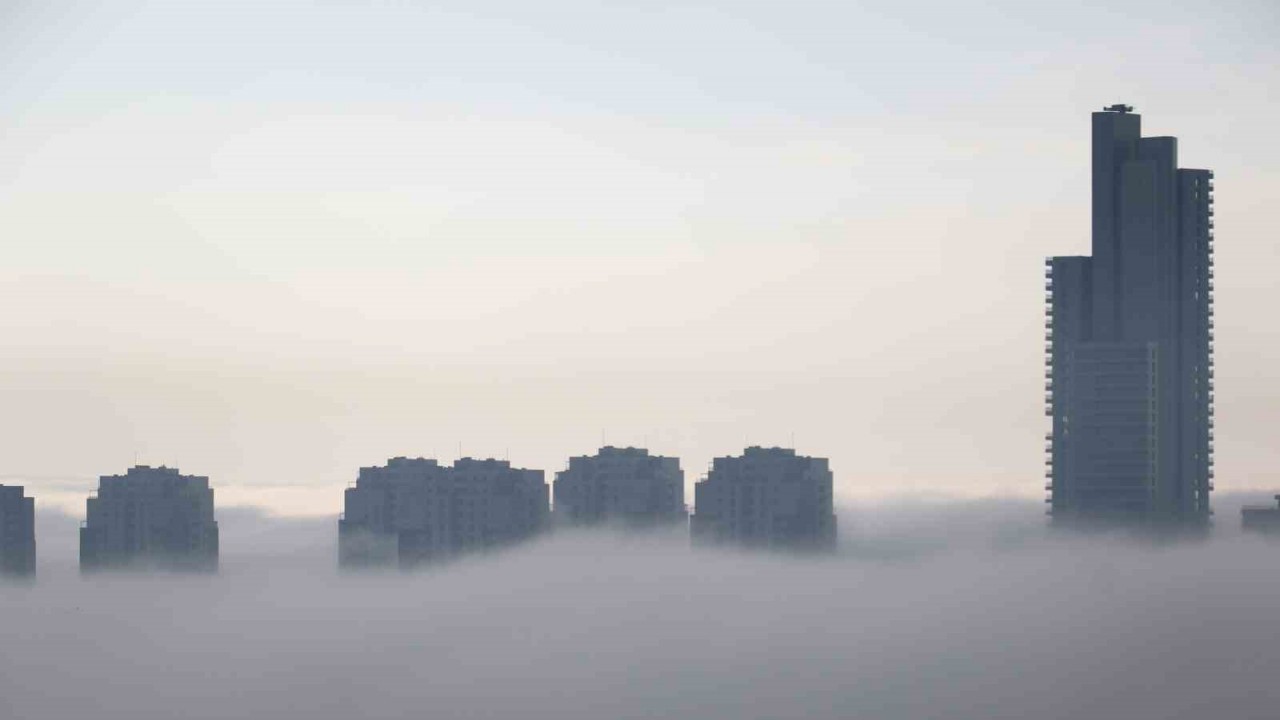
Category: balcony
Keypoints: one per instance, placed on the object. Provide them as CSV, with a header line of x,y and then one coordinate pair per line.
x,y
1048,271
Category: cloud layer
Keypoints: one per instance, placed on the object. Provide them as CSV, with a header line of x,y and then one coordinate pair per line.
x,y
957,611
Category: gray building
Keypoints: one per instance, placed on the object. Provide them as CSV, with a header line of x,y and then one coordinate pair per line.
x,y
626,485
767,497
17,531
415,510
1261,518
1129,340
150,517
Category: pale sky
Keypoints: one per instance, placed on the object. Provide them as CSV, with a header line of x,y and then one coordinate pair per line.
x,y
270,242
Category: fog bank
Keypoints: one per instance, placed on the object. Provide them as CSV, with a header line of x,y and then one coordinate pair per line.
x,y
966,610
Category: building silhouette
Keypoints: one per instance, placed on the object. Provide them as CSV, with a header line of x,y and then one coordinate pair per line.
x,y
415,510
17,531
150,518
1129,343
1261,518
767,497
626,485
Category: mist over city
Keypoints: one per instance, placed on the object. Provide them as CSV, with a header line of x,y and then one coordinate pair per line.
x,y
946,610
881,359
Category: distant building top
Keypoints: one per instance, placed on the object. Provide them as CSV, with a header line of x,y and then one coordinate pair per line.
x,y
1118,108
145,476
1264,508
626,451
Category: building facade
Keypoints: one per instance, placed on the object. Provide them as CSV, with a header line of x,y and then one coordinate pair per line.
x,y
623,485
17,531
767,497
150,518
1129,339
413,510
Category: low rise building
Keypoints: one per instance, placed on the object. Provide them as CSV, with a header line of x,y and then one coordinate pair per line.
x,y
767,497
414,510
17,531
1261,518
150,518
625,485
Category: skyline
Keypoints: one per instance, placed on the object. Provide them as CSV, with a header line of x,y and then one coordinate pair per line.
x,y
623,224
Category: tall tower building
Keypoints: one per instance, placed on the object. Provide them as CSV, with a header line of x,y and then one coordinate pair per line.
x,y
150,517
624,485
766,497
17,531
414,510
1129,343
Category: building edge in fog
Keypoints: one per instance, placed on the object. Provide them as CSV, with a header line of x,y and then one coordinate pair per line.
x,y
1129,340
766,497
627,486
17,532
150,517
414,510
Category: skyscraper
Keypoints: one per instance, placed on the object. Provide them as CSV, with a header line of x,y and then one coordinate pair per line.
x,y
1129,368
413,510
17,531
766,497
150,517
626,485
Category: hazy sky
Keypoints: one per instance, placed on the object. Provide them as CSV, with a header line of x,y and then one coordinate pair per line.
x,y
272,242
957,611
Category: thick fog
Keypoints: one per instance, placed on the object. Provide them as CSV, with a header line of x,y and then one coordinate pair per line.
x,y
956,610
